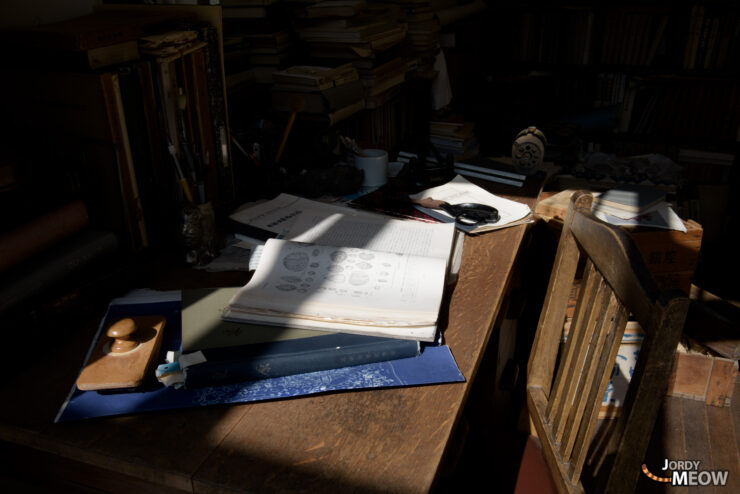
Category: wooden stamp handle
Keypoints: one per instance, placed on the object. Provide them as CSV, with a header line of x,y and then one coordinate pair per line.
x,y
123,332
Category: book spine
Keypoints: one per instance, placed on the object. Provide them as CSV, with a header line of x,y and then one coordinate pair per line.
x,y
211,373
219,115
133,210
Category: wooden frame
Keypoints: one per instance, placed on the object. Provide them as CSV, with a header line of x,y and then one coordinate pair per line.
x,y
565,388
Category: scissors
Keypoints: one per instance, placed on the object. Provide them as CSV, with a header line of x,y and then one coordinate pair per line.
x,y
467,213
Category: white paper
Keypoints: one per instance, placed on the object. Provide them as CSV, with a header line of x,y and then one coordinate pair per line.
x,y
375,232
280,214
296,275
459,190
662,216
344,285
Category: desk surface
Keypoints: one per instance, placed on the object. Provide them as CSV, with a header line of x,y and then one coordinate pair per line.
x,y
373,440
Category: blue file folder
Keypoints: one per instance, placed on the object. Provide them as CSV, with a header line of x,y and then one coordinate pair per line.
x,y
435,365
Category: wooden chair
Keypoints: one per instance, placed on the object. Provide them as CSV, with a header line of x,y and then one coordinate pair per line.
x,y
565,388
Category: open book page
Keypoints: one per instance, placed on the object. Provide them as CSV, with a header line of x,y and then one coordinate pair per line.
x,y
344,285
459,190
375,232
280,214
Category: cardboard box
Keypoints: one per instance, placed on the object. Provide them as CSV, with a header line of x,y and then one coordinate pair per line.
x,y
706,378
622,371
670,255
694,375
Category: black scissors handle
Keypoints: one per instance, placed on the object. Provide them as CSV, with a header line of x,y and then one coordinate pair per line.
x,y
471,214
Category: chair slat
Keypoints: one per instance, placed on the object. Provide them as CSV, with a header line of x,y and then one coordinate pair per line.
x,y
540,370
557,402
645,395
612,338
564,403
537,403
580,334
605,306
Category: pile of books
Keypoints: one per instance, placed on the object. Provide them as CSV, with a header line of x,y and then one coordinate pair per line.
x,y
254,55
344,30
454,136
342,287
257,40
422,36
382,78
320,93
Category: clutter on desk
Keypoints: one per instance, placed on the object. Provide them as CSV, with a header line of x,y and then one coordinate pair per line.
x,y
459,191
124,356
598,171
215,351
339,270
374,166
655,212
492,170
528,150
233,257
391,201
435,364
454,136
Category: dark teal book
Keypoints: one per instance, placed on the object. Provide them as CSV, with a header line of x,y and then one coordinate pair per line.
x,y
230,352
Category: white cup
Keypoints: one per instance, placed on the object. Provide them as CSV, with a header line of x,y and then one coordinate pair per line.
x,y
374,162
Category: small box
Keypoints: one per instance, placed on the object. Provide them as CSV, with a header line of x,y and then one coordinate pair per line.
x,y
701,377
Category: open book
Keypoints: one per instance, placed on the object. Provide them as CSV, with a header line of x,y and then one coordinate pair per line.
x,y
364,274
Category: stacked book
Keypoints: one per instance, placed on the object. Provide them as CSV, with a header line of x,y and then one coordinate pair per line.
x,y
256,40
269,51
382,77
224,352
320,93
456,137
628,201
422,36
349,29
246,9
342,287
423,32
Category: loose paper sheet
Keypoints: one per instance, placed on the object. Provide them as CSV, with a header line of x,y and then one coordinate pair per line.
x,y
459,190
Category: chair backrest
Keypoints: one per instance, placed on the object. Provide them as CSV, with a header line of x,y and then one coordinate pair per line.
x,y
566,386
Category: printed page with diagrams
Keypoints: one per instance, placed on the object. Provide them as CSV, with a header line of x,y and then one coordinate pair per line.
x,y
358,273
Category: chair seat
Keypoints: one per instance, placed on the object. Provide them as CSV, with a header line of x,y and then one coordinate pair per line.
x,y
534,475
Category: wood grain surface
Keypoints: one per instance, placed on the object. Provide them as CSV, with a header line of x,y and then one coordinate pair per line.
x,y
389,440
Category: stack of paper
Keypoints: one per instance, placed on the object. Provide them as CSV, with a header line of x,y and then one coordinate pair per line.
x,y
459,191
634,205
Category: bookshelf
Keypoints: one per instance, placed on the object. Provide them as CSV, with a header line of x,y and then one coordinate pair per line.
x,y
86,123
628,79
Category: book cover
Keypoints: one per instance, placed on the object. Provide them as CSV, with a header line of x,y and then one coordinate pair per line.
x,y
236,352
632,198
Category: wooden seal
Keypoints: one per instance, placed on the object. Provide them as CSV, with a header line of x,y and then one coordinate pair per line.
x,y
123,334
124,354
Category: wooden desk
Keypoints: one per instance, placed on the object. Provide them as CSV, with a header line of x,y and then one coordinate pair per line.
x,y
390,440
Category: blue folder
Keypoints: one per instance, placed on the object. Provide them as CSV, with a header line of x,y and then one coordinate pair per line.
x,y
435,365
